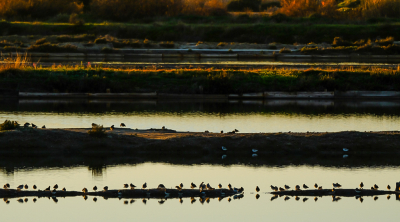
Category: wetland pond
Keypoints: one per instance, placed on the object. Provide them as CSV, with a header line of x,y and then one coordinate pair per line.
x,y
247,172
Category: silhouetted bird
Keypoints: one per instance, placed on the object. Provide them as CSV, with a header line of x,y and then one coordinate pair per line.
x,y
281,189
95,188
287,187
44,127
26,186
94,125
63,189
388,197
376,186
181,185
316,186
144,200
34,126
26,200
222,131
315,199
297,188
161,186
257,189
163,128
375,198
388,187
112,127
236,130
320,188
361,185
361,199
122,125
105,188
297,198
34,200
126,185
257,196
84,190
55,187
34,187
178,188
94,199
20,187
305,186
219,186
372,188
144,186
132,186
47,189
230,186
305,199
287,198
132,201
192,185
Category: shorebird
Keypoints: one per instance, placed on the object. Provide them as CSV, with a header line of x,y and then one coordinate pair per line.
x,y
236,131
219,186
229,199
376,187
305,186
257,189
105,188
335,199
34,200
181,185
208,186
316,186
112,127
144,186
372,188
5,187
388,187
320,188
122,125
20,187
26,186
178,188
192,185
55,187
207,131
305,199
163,128
44,127
84,190
144,200
95,188
34,187
192,200
281,189
287,187
26,125
388,197
26,200
361,199
180,200
85,197
126,185
297,188
132,186
161,202
34,126
224,148
241,189
336,185
20,200
94,125
361,185
222,131
132,201
47,189
161,186
230,186
274,197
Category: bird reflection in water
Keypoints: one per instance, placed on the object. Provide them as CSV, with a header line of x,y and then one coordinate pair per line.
x,y
274,197
257,196
55,200
144,200
132,201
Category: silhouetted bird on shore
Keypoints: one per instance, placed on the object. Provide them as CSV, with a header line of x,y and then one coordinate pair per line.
x,y
230,186
305,186
219,186
315,199
94,199
126,185
34,200
287,198
34,126
34,187
376,187
297,198
320,188
257,189
375,198
388,197
105,188
222,131
132,186
388,187
144,186
20,187
55,187
26,125
63,189
26,186
47,189
305,199
178,188
372,188
181,185
94,125
95,188
281,189
287,187
192,185
297,188
44,127
257,196
361,185
161,186
122,125
112,127
316,186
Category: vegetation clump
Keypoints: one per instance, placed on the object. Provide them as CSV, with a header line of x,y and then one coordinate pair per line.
x,y
52,48
9,125
97,131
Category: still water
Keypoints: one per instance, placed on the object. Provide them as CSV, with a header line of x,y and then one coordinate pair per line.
x,y
246,116
247,208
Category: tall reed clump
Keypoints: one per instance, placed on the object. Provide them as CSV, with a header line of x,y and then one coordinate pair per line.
x,y
380,8
97,131
9,125
38,8
20,61
306,8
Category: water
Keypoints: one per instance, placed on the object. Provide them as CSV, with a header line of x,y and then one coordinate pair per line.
x,y
76,208
246,116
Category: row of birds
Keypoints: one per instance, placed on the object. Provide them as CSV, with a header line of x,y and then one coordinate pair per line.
x,y
334,198
335,185
202,187
26,125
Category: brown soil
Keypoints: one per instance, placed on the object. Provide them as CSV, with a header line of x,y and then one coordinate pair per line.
x,y
77,142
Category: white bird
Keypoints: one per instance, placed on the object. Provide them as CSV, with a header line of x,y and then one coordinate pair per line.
x,y
345,149
254,155
224,148
345,156
254,150
224,156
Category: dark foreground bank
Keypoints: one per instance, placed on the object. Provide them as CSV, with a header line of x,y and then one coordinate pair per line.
x,y
127,142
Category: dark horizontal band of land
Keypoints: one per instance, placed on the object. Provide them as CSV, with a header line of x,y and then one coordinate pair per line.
x,y
122,193
128,142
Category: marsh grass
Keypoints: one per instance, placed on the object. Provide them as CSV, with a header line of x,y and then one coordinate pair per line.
x,y
20,61
9,125
52,48
97,131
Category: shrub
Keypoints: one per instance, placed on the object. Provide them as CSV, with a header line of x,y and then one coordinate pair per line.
x,y
97,131
267,5
47,47
75,20
285,50
9,125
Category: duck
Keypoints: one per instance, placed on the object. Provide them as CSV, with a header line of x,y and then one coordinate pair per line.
x,y
47,189
144,186
44,127
181,185
257,189
192,185
122,125
305,186
26,186
126,185
316,186
361,185
112,127
281,189
34,187
95,188
132,186
287,198
287,187
388,187
105,188
219,186
84,190
376,187
55,186
297,188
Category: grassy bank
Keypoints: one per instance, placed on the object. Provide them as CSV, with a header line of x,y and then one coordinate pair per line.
x,y
264,32
88,78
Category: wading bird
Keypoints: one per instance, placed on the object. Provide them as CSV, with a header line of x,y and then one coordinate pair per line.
x,y
287,187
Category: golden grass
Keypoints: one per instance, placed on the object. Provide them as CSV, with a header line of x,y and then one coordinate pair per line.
x,y
20,61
